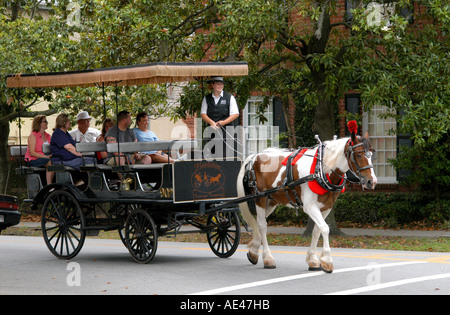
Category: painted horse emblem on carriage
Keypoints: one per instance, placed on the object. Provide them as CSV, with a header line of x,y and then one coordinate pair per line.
x,y
314,181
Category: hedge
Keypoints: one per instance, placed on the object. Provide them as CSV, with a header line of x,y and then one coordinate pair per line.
x,y
386,209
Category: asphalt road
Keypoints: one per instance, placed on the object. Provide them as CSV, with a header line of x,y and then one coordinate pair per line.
x,y
105,267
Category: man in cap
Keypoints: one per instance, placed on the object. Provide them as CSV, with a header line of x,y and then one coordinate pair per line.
x,y
84,133
220,109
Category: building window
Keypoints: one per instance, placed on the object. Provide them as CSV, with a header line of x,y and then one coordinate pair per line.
x,y
384,140
349,6
258,136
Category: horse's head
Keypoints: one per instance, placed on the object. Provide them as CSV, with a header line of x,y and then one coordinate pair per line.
x,y
360,154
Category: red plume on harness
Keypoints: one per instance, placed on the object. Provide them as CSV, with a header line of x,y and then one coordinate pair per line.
x,y
352,126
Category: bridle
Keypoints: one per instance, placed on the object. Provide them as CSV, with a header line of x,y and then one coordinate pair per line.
x,y
350,154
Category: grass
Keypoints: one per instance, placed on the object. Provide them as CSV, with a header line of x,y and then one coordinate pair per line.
x,y
441,244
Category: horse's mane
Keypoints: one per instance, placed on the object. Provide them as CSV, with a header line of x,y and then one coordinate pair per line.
x,y
334,150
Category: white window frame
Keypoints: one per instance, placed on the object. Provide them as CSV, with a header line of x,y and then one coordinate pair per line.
x,y
256,132
384,141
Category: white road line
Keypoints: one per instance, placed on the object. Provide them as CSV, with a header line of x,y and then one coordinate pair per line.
x,y
300,276
390,284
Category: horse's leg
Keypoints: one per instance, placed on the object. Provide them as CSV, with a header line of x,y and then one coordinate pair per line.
x,y
326,263
255,243
311,258
253,247
263,213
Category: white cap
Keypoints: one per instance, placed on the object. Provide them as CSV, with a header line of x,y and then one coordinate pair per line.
x,y
83,115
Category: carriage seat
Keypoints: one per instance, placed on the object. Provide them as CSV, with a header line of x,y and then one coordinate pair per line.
x,y
89,149
55,168
18,152
169,146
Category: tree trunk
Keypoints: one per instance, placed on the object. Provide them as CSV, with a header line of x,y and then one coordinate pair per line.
x,y
324,126
287,103
4,155
324,123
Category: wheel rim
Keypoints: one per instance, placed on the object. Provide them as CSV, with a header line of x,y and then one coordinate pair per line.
x,y
141,236
63,225
224,237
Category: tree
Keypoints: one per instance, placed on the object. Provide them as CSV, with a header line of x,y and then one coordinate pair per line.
x,y
294,47
28,45
103,34
404,66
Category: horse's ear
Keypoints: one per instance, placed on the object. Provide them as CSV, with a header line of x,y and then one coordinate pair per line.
x,y
366,135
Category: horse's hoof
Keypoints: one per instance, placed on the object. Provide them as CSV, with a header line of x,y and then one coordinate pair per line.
x,y
312,266
252,258
315,269
328,268
270,265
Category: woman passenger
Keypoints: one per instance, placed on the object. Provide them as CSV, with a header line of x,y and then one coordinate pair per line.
x,y
107,123
143,134
38,137
62,145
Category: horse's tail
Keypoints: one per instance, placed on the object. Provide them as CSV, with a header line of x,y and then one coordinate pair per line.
x,y
242,189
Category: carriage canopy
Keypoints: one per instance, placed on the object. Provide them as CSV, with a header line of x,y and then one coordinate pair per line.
x,y
153,73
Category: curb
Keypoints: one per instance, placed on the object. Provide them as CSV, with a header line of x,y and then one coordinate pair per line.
x,y
346,231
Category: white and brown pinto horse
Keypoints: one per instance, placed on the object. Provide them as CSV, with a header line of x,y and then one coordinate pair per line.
x,y
339,156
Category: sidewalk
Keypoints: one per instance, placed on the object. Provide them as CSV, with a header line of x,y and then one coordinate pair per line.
x,y
297,230
368,232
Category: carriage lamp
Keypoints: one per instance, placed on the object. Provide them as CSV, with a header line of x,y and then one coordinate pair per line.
x,y
126,183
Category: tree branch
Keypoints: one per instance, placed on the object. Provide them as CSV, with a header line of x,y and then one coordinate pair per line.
x,y
10,117
273,64
341,24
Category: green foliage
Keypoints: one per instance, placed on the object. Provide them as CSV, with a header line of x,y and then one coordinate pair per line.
x,y
429,165
405,68
391,209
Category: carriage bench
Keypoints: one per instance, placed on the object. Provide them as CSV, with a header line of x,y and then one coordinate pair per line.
x,y
89,149
19,153
169,146
35,176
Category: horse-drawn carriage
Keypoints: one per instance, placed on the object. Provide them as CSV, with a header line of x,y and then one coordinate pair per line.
x,y
158,199
142,202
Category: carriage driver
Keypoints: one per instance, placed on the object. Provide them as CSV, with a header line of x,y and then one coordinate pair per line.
x,y
219,108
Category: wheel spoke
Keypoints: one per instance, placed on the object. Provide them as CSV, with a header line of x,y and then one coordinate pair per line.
x,y
62,224
140,236
224,237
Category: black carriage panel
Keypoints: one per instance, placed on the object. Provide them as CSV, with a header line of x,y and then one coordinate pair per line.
x,y
35,176
204,180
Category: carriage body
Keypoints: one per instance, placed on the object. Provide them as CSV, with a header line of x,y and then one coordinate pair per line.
x,y
161,198
141,202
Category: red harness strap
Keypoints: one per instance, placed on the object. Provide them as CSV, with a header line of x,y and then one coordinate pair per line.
x,y
295,160
313,184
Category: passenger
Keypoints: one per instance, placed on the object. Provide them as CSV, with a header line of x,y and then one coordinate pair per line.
x,y
62,145
125,134
84,133
143,134
35,155
107,124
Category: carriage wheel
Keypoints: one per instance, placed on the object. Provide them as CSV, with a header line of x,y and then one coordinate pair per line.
x,y
63,224
225,235
141,236
124,211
